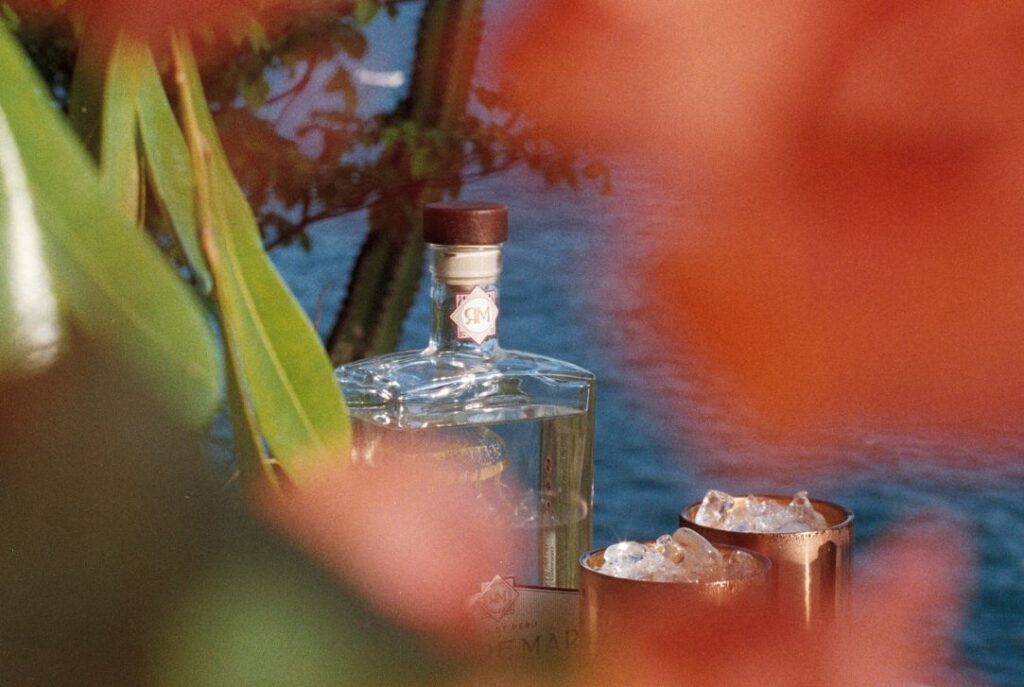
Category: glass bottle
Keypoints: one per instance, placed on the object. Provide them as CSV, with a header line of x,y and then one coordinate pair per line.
x,y
518,425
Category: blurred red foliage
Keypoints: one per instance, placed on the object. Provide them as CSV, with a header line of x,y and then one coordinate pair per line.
x,y
152,19
859,168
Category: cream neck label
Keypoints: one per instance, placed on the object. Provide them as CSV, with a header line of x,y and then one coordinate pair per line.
x,y
475,315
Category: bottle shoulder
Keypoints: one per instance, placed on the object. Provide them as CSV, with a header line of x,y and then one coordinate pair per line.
x,y
419,388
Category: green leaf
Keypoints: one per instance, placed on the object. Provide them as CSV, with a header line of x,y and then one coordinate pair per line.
x,y
255,91
257,35
119,151
117,288
85,101
389,136
9,17
30,321
296,399
364,11
169,166
253,462
421,162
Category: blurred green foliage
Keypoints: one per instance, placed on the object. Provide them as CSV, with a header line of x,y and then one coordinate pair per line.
x,y
75,259
126,562
72,260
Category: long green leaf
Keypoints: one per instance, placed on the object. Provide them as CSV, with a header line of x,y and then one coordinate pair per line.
x,y
297,401
85,100
30,322
114,283
167,160
253,463
119,150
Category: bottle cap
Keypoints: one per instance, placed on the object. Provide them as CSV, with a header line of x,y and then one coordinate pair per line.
x,y
465,223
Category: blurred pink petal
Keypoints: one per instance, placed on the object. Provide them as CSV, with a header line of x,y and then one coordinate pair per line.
x,y
414,544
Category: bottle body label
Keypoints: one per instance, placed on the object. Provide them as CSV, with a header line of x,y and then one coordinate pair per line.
x,y
525,622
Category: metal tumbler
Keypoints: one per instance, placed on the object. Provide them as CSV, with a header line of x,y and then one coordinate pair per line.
x,y
614,607
810,573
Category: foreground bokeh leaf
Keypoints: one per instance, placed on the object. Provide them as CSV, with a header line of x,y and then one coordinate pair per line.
x,y
115,284
126,562
30,327
284,368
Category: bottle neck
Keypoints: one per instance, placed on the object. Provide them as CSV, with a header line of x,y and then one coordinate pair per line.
x,y
464,299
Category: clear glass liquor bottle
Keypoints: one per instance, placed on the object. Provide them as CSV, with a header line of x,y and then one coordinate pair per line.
x,y
518,425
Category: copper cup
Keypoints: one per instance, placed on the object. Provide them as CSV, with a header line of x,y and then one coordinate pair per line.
x,y
613,607
810,570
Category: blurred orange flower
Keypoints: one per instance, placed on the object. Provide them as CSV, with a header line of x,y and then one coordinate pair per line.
x,y
858,169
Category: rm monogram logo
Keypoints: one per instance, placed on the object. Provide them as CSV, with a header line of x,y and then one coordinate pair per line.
x,y
497,598
475,316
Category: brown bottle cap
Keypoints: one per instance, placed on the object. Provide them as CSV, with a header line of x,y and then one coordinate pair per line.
x,y
465,223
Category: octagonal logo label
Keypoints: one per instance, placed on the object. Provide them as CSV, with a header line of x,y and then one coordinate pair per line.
x,y
496,598
475,315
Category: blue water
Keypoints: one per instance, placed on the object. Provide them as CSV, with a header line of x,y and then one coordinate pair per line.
x,y
660,441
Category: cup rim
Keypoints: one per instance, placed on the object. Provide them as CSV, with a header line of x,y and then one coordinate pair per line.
x,y
765,571
845,523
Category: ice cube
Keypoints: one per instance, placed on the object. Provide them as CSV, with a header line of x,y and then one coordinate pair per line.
x,y
741,564
713,508
696,545
624,552
802,511
668,548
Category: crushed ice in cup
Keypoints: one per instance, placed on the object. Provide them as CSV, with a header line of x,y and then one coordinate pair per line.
x,y
758,514
684,556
